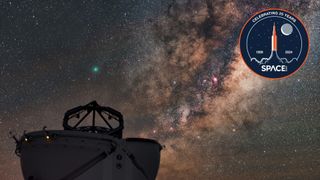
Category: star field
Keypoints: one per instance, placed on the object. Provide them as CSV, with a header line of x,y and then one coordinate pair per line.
x,y
173,69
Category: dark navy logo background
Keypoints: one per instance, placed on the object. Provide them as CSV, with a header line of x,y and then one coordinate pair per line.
x,y
274,43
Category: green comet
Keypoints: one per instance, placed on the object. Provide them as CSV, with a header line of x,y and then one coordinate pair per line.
x,y
95,69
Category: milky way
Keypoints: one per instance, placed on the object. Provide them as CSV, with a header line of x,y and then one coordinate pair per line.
x,y
197,85
174,70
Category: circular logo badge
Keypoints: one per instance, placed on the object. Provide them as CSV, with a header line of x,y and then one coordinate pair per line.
x,y
274,43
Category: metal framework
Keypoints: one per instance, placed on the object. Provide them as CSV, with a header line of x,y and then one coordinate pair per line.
x,y
95,109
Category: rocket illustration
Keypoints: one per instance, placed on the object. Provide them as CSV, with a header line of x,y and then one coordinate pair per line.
x,y
274,39
273,57
274,49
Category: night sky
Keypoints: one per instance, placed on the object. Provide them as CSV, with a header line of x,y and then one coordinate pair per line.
x,y
173,69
